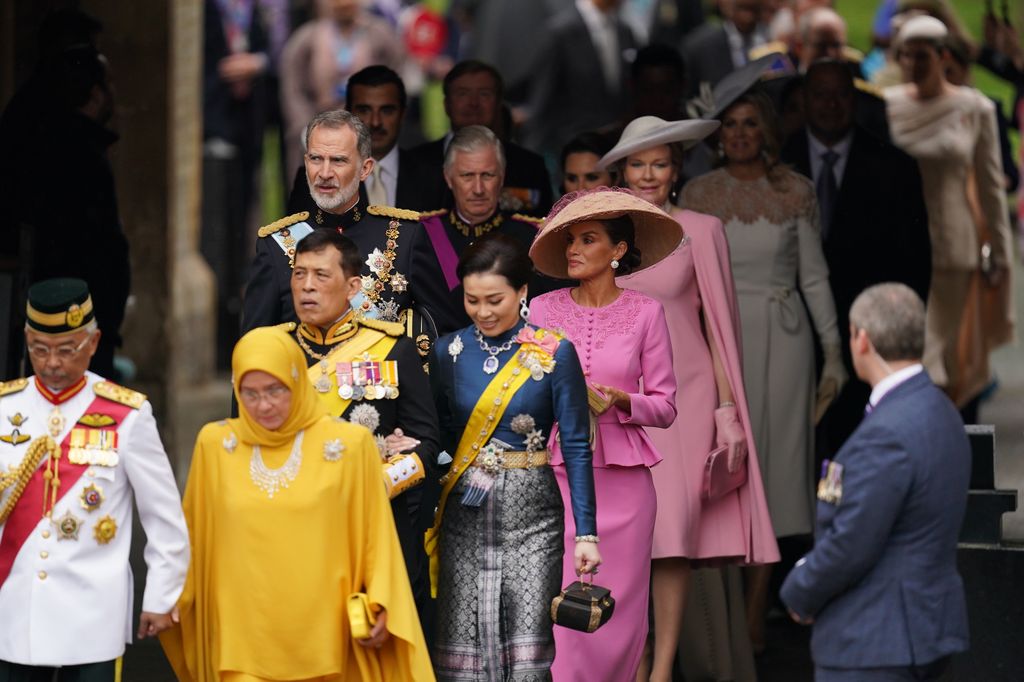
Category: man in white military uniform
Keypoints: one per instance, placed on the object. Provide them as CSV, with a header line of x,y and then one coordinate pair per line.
x,y
74,450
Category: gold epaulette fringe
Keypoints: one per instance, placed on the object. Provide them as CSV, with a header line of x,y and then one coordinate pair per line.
x,y
392,212
389,328
523,218
431,214
13,386
273,227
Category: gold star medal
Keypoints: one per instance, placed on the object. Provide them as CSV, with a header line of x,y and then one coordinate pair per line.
x,y
105,530
92,497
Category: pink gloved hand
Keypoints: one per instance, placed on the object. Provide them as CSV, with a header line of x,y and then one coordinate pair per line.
x,y
729,432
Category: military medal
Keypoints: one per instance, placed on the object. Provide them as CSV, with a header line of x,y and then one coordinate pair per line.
x,y
323,383
93,446
68,526
92,497
333,450
398,283
105,530
389,378
344,373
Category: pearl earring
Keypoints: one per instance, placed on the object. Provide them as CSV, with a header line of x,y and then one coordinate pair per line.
x,y
615,264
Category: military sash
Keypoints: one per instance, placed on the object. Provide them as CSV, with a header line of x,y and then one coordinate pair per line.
x,y
24,516
482,422
376,344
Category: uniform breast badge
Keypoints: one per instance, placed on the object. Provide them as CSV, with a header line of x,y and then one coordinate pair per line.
x,y
93,446
399,283
55,422
92,497
365,415
16,437
333,449
830,487
68,525
105,530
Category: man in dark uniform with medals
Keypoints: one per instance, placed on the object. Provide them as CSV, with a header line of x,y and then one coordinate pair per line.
x,y
367,372
474,168
400,272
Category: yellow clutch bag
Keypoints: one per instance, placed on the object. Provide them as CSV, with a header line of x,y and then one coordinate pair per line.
x,y
402,472
360,616
597,400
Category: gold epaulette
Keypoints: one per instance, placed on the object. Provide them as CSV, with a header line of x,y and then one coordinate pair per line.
x,y
119,394
431,214
273,227
852,54
392,212
766,49
868,88
13,386
389,328
287,327
523,218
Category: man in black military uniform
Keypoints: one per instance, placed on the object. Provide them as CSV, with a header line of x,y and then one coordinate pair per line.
x,y
368,372
474,169
400,273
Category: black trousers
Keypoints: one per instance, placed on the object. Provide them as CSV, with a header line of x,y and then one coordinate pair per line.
x,y
87,672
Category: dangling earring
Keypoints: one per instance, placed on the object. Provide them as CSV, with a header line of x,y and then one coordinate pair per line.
x,y
524,310
615,263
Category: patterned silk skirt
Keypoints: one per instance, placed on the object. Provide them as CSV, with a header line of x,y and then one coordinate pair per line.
x,y
501,565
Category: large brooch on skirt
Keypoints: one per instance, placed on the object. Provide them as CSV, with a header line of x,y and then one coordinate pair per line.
x,y
537,351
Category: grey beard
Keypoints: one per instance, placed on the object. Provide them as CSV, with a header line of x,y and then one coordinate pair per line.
x,y
327,203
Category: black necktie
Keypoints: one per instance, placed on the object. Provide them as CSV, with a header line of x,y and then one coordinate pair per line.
x,y
828,190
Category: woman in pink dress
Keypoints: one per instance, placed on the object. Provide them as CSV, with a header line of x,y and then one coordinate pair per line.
x,y
695,286
623,346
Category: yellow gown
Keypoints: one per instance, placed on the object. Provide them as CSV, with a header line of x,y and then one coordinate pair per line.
x,y
266,589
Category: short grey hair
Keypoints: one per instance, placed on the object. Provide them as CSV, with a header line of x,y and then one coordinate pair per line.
x,y
339,118
472,139
892,315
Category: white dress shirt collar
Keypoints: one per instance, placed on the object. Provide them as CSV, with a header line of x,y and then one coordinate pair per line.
x,y
739,50
815,148
892,381
389,174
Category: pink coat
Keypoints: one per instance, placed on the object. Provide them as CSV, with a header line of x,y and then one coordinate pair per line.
x,y
624,344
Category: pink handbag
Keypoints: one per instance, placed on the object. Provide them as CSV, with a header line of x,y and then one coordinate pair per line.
x,y
718,480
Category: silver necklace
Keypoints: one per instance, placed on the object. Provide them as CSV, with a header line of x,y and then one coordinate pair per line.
x,y
491,363
270,480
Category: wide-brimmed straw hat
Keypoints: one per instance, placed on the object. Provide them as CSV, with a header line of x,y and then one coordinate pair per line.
x,y
650,131
657,233
712,103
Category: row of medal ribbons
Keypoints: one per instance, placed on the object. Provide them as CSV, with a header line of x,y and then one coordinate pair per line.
x,y
93,446
368,380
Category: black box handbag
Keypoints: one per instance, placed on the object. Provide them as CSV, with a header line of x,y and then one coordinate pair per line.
x,y
583,606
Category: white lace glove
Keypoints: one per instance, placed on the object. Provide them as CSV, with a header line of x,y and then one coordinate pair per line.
x,y
833,378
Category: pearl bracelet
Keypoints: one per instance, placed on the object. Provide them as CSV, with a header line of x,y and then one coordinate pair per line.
x,y
588,538
727,403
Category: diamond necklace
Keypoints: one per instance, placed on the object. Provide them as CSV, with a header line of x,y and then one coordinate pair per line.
x,y
491,363
270,480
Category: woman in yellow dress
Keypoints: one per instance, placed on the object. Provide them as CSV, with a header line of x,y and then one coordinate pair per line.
x,y
288,517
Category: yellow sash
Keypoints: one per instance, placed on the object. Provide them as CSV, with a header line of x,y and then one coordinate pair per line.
x,y
485,418
377,344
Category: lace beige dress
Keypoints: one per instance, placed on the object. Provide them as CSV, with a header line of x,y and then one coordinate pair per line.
x,y
775,249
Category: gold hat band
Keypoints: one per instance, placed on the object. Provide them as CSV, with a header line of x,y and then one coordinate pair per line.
x,y
72,317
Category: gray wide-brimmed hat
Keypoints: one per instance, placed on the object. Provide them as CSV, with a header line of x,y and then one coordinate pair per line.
x,y
650,131
712,103
656,233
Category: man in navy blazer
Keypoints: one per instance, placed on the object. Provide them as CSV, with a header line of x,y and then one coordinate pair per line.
x,y
881,585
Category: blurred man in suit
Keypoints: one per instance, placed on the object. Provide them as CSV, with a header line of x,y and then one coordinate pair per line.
x,y
873,220
713,50
881,585
473,95
377,96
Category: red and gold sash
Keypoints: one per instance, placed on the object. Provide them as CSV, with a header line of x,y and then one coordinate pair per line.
x,y
25,517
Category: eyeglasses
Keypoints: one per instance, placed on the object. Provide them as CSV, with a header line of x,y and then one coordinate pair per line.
x,y
272,394
41,351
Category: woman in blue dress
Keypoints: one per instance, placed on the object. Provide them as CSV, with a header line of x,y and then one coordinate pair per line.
x,y
496,545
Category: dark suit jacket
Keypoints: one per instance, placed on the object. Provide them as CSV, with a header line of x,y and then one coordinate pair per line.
x,y
708,57
879,233
881,581
569,94
524,170
416,189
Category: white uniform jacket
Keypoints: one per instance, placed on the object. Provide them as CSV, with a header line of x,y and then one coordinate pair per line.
x,y
67,600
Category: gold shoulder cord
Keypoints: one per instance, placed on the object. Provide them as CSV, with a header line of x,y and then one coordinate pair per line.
x,y
20,475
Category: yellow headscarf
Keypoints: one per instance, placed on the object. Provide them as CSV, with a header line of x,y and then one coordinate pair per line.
x,y
270,350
